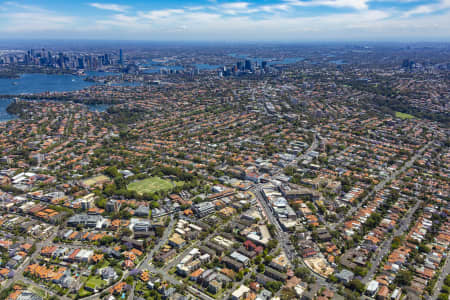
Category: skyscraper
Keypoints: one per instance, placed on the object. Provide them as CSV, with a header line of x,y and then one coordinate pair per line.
x,y
239,65
120,57
248,64
264,64
80,63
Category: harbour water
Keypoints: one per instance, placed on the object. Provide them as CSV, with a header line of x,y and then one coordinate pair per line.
x,y
270,61
39,83
4,115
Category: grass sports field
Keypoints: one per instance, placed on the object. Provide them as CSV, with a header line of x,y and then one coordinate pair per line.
x,y
152,185
94,180
403,115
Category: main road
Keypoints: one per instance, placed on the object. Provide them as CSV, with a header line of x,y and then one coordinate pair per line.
x,y
305,155
147,260
280,235
164,272
283,238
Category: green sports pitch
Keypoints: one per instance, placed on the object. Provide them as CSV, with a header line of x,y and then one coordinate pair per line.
x,y
153,185
403,115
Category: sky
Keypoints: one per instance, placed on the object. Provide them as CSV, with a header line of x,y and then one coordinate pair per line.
x,y
228,21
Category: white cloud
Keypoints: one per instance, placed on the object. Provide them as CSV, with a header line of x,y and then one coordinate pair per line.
x,y
24,7
274,8
428,8
235,5
359,25
125,18
195,8
19,22
233,21
245,8
110,6
355,4
19,18
234,8
160,14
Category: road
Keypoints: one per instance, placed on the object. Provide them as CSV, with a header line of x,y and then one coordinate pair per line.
x,y
42,287
97,295
145,263
305,155
290,251
164,272
161,242
198,293
283,239
167,277
382,183
311,148
131,294
385,247
18,274
180,256
440,282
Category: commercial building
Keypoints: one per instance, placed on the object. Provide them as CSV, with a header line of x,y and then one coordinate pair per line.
x,y
203,209
91,221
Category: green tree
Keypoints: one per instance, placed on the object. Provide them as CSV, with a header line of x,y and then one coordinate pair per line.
x,y
112,172
274,286
403,278
357,285
272,244
302,272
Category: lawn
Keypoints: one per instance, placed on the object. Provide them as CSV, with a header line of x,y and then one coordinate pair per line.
x,y
95,282
94,180
37,291
403,115
83,293
152,185
103,264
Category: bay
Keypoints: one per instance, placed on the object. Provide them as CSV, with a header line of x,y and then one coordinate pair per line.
x,y
4,115
40,83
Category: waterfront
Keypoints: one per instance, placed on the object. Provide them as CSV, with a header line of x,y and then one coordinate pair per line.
x,y
270,61
40,83
4,115
98,107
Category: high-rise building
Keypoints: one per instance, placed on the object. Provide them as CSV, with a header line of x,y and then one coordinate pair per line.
x,y
248,64
80,63
120,57
106,60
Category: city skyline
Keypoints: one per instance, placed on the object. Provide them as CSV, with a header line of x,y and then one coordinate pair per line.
x,y
274,20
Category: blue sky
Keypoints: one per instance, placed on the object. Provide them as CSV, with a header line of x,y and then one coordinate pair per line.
x,y
216,20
